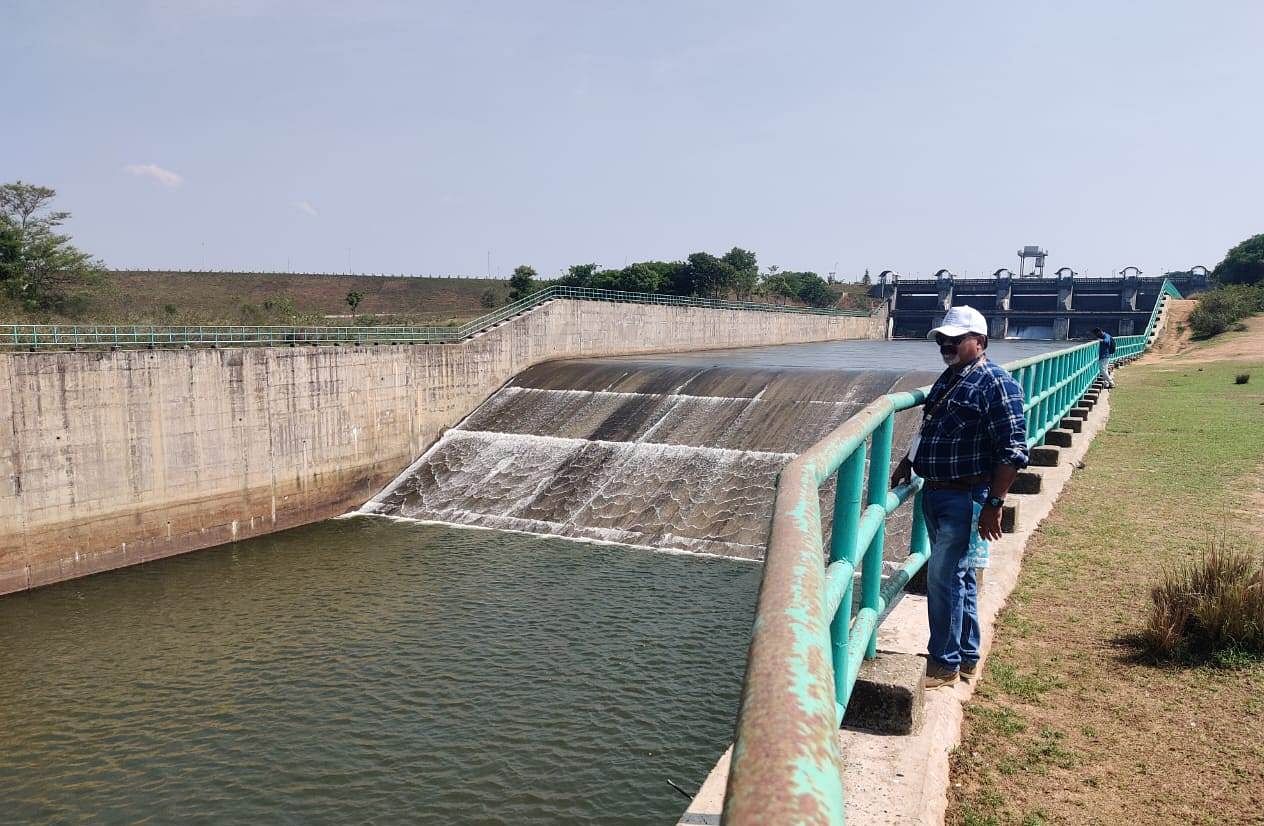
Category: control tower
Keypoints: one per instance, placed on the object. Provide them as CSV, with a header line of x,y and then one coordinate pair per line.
x,y
1036,254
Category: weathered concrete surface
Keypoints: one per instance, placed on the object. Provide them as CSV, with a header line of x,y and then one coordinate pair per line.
x,y
1073,425
1044,456
1059,438
904,780
888,695
114,458
1026,481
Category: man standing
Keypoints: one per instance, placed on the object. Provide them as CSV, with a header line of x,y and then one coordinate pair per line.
x,y
1105,349
971,444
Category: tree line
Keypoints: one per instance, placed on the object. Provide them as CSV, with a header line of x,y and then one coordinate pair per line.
x,y
734,274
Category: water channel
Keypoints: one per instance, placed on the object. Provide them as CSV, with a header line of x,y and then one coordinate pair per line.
x,y
376,670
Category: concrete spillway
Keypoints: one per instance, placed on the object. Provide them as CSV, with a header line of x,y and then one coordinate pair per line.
x,y
670,456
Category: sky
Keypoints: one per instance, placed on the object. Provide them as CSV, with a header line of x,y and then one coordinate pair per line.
x,y
436,137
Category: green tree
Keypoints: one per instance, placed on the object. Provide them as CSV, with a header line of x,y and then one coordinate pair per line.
x,y
638,278
489,298
354,298
38,265
709,276
10,251
522,283
807,287
604,280
578,275
1244,264
775,286
778,287
815,293
740,259
673,276
865,279
746,271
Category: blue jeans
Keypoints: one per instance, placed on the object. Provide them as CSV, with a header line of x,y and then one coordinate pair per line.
x,y
952,595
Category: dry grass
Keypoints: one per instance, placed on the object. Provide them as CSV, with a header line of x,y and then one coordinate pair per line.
x,y
1069,725
1211,608
240,298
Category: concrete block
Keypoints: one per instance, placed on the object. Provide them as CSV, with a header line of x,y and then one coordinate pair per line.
x,y
1026,481
1079,413
1009,517
1044,456
1073,425
1058,438
888,696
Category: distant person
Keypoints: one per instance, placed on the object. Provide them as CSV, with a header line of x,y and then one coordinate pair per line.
x,y
970,446
1105,349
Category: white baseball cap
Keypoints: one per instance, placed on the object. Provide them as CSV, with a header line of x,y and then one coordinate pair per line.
x,y
959,321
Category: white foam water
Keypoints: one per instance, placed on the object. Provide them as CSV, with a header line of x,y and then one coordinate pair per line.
x,y
647,457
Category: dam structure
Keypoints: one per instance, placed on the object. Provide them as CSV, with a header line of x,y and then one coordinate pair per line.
x,y
129,444
419,670
1061,307
673,452
661,455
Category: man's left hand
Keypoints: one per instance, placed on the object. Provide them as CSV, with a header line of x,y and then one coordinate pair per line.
x,y
990,523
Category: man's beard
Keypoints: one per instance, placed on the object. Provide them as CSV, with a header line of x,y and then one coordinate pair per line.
x,y
951,359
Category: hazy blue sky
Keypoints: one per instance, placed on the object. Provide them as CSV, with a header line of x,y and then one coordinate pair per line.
x,y
908,136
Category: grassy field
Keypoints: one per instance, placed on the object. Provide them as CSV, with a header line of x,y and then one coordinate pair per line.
x,y
259,298
1070,724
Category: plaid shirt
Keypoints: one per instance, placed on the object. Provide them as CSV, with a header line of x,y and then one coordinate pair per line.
x,y
972,425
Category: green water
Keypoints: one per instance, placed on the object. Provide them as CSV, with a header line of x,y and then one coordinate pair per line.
x,y
365,670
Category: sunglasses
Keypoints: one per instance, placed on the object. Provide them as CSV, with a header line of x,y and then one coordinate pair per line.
x,y
944,341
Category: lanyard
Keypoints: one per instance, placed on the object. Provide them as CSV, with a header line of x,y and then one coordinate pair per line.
x,y
932,405
929,408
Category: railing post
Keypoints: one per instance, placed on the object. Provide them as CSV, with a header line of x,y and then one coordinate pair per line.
x,y
850,484
871,569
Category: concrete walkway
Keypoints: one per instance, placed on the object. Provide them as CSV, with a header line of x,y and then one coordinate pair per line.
x,y
904,779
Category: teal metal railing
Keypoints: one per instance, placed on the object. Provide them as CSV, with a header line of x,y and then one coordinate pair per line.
x,y
50,336
1127,347
807,644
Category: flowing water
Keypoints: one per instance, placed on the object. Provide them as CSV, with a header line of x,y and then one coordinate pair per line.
x,y
365,670
664,456
678,451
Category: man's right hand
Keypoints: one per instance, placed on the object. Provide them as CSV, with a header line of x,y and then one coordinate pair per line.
x,y
903,473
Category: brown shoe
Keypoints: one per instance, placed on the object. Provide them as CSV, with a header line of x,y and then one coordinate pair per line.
x,y
937,676
970,670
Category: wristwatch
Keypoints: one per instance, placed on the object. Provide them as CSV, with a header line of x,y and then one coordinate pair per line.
x,y
995,502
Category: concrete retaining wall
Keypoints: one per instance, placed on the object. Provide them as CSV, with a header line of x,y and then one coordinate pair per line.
x,y
114,458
